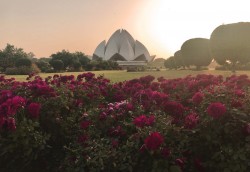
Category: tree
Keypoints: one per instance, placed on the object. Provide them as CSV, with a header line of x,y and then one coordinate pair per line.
x,y
230,44
70,60
196,52
44,66
10,54
23,62
170,63
77,66
179,61
82,58
65,56
57,65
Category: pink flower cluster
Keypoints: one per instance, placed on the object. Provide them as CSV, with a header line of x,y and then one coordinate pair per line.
x,y
154,141
216,110
159,119
143,120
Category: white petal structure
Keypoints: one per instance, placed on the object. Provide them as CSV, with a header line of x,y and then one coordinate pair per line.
x,y
122,47
100,49
140,49
126,36
127,51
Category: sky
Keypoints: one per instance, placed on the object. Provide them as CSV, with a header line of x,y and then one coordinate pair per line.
x,y
45,27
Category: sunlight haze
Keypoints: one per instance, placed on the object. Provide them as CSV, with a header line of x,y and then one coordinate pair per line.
x,y
48,26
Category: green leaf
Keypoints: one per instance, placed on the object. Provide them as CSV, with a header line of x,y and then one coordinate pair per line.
x,y
242,156
175,168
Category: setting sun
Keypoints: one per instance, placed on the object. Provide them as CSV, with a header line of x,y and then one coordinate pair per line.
x,y
169,23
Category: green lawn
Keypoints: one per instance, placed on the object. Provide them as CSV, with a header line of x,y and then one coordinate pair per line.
x,y
116,76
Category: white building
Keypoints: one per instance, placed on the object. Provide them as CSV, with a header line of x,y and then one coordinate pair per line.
x,y
122,48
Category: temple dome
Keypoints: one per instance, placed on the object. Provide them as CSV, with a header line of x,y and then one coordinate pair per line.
x,y
121,46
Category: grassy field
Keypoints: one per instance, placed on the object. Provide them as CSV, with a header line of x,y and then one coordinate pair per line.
x,y
116,76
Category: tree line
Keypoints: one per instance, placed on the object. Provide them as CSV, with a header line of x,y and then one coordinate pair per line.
x,y
15,60
229,46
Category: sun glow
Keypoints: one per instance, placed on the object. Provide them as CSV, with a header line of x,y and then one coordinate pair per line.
x,y
168,24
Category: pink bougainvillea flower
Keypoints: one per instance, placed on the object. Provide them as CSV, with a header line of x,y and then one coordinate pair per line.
x,y
11,105
216,110
154,141
34,110
82,139
130,107
151,120
17,101
236,104
165,152
191,120
143,120
198,165
11,124
180,162
114,143
174,108
197,98
85,124
4,95
116,131
142,148
158,97
146,79
140,121
239,93
246,129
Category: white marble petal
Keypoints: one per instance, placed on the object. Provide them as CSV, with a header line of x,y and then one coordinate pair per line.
x,y
100,49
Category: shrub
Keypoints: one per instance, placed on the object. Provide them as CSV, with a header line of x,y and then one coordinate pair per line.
x,y
58,65
23,70
86,123
23,62
43,66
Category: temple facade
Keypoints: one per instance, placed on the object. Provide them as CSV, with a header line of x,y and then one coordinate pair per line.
x,y
122,48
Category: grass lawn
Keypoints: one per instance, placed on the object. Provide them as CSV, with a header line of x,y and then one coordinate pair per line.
x,y
116,76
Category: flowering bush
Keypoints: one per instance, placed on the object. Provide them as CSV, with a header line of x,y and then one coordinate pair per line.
x,y
86,123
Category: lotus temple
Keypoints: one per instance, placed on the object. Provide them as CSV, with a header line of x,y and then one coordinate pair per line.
x,y
124,49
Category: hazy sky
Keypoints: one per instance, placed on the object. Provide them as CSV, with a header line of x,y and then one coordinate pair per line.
x,y
48,26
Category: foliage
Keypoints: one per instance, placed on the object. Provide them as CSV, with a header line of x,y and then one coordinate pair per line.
x,y
196,52
170,63
82,58
179,59
64,56
23,62
58,65
229,44
86,123
22,70
43,65
71,61
100,64
10,54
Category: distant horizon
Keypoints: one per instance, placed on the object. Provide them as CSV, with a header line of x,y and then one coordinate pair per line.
x,y
46,27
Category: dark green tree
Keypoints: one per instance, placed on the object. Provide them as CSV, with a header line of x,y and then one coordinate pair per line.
x,y
57,65
196,52
82,58
170,63
230,44
10,54
44,66
179,61
77,66
23,62
65,56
